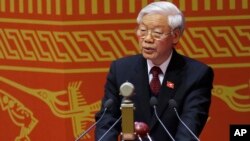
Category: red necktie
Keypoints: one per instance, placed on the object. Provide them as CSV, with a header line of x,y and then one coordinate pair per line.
x,y
155,83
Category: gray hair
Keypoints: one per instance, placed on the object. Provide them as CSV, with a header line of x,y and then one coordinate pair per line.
x,y
174,15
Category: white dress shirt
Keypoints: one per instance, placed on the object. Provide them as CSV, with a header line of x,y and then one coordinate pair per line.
x,y
163,68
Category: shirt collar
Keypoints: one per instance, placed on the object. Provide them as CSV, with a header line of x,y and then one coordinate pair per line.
x,y
163,66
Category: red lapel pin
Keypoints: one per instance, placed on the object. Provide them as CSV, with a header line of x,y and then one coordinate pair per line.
x,y
170,84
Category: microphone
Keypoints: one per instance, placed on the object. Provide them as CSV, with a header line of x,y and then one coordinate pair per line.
x,y
141,130
173,104
107,105
110,128
154,102
127,111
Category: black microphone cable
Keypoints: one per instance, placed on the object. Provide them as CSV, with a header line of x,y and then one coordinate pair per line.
x,y
107,105
173,104
110,128
154,102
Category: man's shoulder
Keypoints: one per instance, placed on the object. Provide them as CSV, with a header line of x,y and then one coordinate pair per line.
x,y
192,61
188,64
126,66
195,66
129,59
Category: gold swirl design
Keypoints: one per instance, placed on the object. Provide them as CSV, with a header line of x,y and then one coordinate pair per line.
x,y
19,114
230,95
75,107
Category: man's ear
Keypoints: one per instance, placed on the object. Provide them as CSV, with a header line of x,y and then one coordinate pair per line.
x,y
176,35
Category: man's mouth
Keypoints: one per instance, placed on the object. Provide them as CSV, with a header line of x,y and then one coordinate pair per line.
x,y
149,48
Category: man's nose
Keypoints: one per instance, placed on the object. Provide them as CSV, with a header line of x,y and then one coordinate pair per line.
x,y
149,37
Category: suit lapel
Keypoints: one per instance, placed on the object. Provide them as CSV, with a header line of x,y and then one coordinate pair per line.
x,y
170,84
142,95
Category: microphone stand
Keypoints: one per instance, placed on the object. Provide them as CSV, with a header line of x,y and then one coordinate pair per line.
x,y
185,125
127,111
173,104
163,124
154,102
91,126
110,128
107,105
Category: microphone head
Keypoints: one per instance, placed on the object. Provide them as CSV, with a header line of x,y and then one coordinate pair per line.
x,y
108,103
127,89
172,103
153,101
141,128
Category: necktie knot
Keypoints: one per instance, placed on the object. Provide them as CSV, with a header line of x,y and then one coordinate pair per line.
x,y
155,71
155,84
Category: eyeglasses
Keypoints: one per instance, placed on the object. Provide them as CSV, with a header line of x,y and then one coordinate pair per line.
x,y
142,32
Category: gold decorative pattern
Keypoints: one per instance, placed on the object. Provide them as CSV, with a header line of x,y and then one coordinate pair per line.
x,y
78,46
80,112
85,46
47,7
20,115
231,96
210,36
75,107
77,39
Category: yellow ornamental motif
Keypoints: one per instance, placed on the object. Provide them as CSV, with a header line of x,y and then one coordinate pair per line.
x,y
75,108
231,96
20,115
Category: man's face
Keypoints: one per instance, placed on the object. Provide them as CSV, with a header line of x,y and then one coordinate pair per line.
x,y
155,38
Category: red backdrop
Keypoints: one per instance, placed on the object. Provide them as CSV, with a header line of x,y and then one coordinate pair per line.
x,y
55,54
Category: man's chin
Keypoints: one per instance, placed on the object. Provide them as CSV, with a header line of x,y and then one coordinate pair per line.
x,y
148,56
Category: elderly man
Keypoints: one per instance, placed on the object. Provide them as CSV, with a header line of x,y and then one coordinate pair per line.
x,y
183,80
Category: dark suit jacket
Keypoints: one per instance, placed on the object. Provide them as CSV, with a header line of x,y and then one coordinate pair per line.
x,y
192,91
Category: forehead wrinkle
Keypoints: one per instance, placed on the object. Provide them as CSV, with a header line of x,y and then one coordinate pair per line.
x,y
156,26
154,20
